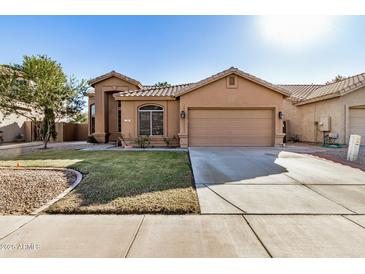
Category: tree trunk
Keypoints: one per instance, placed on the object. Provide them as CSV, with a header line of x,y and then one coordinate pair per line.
x,y
46,138
45,144
45,129
49,129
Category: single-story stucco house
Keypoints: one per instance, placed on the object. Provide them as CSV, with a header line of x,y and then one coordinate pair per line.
x,y
230,108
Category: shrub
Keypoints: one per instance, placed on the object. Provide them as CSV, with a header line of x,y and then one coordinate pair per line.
x,y
143,141
91,139
169,141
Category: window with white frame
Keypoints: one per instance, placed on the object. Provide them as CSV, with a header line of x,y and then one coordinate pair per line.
x,y
150,120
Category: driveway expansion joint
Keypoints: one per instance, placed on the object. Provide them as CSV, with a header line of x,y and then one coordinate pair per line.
x,y
16,229
257,236
134,237
356,223
220,196
322,195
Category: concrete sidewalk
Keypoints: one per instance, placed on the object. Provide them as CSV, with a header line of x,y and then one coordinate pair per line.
x,y
182,236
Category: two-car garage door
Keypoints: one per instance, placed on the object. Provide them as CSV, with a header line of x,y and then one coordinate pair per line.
x,y
231,127
357,122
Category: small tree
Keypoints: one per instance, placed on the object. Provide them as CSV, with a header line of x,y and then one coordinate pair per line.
x,y
39,90
162,84
338,78
80,118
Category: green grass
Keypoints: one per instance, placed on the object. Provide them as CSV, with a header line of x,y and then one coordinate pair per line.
x,y
121,182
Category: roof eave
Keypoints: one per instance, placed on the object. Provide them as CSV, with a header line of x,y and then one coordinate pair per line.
x,y
339,93
91,94
111,74
317,99
238,73
144,98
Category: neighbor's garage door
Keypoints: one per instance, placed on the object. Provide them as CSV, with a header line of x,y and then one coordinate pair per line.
x,y
249,127
357,122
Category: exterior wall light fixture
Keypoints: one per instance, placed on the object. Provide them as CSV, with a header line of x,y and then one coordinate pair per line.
x,y
182,114
281,115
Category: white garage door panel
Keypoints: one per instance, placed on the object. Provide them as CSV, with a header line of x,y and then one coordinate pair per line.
x,y
357,123
230,127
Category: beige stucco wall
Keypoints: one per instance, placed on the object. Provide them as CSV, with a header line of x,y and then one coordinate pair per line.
x,y
312,113
247,95
105,107
302,118
130,119
11,126
292,117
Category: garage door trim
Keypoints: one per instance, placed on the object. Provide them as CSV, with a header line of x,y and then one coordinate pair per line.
x,y
273,109
357,127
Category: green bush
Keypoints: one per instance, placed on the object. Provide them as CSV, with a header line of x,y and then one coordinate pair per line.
x,y
143,141
91,139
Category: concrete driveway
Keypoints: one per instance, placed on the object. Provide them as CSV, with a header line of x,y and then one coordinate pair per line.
x,y
274,181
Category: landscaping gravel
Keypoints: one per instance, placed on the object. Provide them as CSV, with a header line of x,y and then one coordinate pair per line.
x,y
24,190
340,155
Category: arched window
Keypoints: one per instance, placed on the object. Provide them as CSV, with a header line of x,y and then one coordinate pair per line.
x,y
150,120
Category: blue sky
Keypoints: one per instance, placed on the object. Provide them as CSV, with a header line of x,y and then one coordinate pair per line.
x,y
182,49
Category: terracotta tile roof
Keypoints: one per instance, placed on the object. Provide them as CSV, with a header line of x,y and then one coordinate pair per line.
x,y
153,91
114,74
233,70
303,94
90,92
299,92
178,90
339,88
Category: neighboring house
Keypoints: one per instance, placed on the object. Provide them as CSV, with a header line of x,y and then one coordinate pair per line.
x,y
231,108
17,128
12,126
342,102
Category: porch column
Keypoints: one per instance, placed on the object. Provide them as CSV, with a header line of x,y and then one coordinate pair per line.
x,y
100,117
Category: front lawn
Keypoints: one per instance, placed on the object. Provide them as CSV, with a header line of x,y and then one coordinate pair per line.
x,y
121,182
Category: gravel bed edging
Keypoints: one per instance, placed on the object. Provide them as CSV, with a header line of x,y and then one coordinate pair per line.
x,y
62,194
